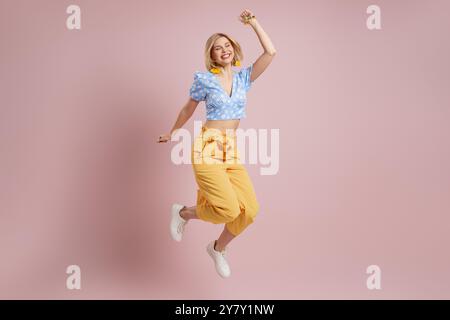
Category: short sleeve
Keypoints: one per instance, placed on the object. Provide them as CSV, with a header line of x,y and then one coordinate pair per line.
x,y
198,90
245,74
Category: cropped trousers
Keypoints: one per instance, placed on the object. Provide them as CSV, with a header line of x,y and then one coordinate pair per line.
x,y
225,192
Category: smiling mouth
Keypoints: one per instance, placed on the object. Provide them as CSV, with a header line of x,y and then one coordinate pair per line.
x,y
226,56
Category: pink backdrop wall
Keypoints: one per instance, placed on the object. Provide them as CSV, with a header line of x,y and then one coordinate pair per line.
x,y
364,172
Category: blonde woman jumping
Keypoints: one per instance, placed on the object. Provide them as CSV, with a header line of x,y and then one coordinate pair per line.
x,y
225,192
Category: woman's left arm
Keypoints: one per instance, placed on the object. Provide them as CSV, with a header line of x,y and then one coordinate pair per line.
x,y
269,50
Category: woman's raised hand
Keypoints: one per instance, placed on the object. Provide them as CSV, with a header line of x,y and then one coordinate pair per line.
x,y
246,16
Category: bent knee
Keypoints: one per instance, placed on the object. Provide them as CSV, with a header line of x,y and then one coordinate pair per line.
x,y
252,210
229,213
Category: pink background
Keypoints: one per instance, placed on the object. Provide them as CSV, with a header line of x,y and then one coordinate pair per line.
x,y
364,153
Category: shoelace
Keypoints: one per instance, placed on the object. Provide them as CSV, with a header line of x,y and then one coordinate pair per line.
x,y
180,228
223,253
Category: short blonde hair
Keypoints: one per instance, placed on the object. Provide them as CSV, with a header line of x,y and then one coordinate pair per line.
x,y
238,54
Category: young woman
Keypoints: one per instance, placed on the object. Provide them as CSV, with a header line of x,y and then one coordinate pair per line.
x,y
225,193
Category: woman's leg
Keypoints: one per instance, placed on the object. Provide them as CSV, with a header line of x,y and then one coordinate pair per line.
x,y
245,192
226,236
224,239
243,188
216,200
188,213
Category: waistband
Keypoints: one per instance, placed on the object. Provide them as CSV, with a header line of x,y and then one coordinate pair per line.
x,y
228,132
226,142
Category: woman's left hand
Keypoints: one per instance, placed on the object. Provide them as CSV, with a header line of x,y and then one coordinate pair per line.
x,y
245,16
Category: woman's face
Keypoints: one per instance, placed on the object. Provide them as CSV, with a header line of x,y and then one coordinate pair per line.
x,y
222,51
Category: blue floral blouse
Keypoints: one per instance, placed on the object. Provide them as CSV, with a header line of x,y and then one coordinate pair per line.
x,y
219,105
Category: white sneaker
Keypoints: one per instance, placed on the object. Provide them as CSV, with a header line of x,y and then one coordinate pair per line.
x,y
177,223
222,267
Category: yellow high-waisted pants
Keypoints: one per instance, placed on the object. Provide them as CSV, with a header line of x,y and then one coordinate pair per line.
x,y
225,193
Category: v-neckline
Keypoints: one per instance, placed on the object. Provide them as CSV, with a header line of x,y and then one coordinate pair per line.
x,y
222,89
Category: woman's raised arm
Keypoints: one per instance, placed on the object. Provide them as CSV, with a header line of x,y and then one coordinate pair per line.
x,y
247,17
